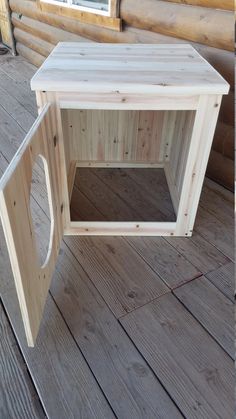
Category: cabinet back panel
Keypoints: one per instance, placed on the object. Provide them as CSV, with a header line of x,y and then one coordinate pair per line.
x,y
114,135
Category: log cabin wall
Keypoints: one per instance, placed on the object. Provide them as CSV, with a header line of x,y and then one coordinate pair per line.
x,y
207,24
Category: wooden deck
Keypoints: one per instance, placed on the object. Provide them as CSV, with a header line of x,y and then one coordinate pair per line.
x,y
133,327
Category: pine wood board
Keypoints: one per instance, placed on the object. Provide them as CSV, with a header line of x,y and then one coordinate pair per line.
x,y
212,309
18,398
224,279
120,68
193,368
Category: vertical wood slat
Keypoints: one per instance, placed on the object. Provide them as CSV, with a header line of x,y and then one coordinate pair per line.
x,y
115,135
198,155
32,280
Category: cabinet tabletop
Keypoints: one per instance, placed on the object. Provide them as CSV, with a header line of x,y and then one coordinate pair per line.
x,y
173,69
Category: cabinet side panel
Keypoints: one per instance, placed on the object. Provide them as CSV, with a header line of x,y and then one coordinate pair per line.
x,y
180,142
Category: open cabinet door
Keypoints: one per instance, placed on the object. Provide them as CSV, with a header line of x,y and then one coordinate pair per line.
x,y
32,280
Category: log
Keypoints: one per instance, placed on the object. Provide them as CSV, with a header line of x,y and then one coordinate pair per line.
x,y
212,4
227,109
224,140
38,45
30,55
198,24
221,170
223,61
44,31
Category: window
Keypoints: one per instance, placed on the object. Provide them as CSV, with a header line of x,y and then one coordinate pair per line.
x,y
102,7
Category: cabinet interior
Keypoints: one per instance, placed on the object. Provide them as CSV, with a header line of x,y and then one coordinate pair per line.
x,y
138,156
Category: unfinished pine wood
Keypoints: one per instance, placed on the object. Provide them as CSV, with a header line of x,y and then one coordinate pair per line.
x,y
113,67
54,363
31,279
115,136
126,376
189,363
18,397
212,309
196,163
223,279
222,60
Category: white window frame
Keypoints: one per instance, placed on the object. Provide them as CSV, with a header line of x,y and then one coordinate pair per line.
x,y
69,4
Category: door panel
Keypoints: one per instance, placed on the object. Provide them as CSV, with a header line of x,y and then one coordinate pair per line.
x,y
32,280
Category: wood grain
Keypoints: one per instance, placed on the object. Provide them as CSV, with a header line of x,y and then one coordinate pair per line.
x,y
117,271
31,279
222,60
117,365
113,23
18,398
181,21
223,279
118,68
30,55
172,267
32,42
215,231
213,4
44,31
212,309
189,363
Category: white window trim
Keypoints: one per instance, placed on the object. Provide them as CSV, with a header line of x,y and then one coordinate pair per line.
x,y
82,8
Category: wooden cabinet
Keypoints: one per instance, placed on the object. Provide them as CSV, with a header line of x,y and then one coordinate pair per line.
x,y
105,105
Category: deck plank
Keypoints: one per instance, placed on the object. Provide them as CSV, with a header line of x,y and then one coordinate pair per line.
x,y
146,205
223,279
20,91
198,251
128,383
212,309
56,364
121,276
193,368
170,265
216,231
15,109
103,198
18,398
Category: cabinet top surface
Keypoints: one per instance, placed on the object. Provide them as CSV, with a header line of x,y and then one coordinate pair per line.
x,y
128,68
